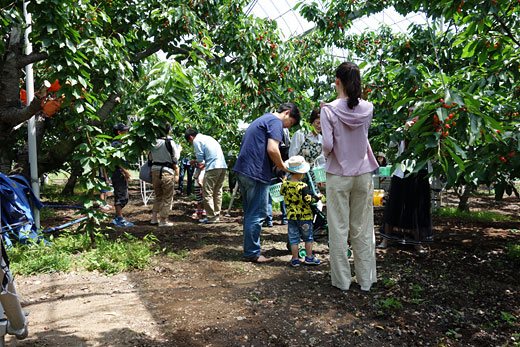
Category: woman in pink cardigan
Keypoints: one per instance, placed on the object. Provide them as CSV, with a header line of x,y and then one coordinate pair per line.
x,y
350,162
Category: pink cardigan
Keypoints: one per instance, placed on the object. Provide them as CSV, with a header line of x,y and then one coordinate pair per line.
x,y
345,138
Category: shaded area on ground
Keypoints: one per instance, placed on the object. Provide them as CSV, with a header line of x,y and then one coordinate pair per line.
x,y
463,292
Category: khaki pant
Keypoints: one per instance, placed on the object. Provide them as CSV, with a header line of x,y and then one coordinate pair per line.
x,y
212,191
163,189
350,216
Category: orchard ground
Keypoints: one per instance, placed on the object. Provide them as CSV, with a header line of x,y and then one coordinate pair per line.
x,y
463,292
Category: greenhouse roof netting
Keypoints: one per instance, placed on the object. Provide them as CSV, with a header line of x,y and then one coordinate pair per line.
x,y
291,23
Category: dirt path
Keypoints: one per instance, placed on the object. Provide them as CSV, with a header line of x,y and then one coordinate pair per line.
x,y
465,292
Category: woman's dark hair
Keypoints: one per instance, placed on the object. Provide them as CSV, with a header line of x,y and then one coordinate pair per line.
x,y
165,128
315,114
294,111
350,77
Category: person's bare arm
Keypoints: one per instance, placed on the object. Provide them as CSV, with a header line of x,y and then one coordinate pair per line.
x,y
126,174
274,153
177,173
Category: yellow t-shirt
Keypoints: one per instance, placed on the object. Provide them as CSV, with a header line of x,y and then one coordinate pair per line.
x,y
297,200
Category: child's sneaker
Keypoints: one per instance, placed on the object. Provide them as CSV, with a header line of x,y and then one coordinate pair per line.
x,y
312,261
199,214
295,262
122,223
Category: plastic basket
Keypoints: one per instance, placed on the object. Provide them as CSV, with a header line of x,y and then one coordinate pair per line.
x,y
319,174
274,191
378,197
385,171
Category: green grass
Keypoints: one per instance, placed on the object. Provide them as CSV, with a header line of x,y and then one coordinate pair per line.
x,y
513,251
482,216
180,255
47,213
74,251
389,282
60,175
52,192
226,198
508,318
388,306
33,259
416,293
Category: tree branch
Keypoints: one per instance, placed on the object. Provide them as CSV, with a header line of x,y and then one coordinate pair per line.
x,y
31,58
14,116
107,107
506,29
156,47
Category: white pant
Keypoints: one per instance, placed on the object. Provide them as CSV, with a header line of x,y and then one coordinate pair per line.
x,y
350,216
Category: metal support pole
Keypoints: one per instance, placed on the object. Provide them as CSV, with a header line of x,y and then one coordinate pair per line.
x,y
31,124
233,195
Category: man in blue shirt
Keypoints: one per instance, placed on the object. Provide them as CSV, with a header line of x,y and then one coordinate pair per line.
x,y
210,157
259,151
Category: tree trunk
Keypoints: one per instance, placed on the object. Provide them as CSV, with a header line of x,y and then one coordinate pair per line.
x,y
68,190
464,194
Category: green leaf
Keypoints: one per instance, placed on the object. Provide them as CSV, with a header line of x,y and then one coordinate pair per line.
x,y
469,49
82,81
70,45
455,157
442,113
79,107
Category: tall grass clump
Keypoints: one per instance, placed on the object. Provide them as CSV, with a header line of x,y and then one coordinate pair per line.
x,y
481,216
77,252
32,259
126,253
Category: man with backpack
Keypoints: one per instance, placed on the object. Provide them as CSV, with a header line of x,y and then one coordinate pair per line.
x,y
165,172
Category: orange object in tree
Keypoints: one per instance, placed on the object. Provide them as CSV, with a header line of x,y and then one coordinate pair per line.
x,y
50,107
55,86
23,96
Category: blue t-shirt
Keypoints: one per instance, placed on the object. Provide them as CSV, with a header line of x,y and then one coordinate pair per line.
x,y
253,160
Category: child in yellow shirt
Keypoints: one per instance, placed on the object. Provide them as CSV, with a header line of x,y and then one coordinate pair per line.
x,y
298,198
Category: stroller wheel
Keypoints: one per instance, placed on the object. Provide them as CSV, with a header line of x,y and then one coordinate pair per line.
x,y
301,251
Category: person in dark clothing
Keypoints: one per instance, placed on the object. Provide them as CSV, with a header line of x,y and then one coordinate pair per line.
x,y
407,216
185,168
258,152
119,179
278,175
